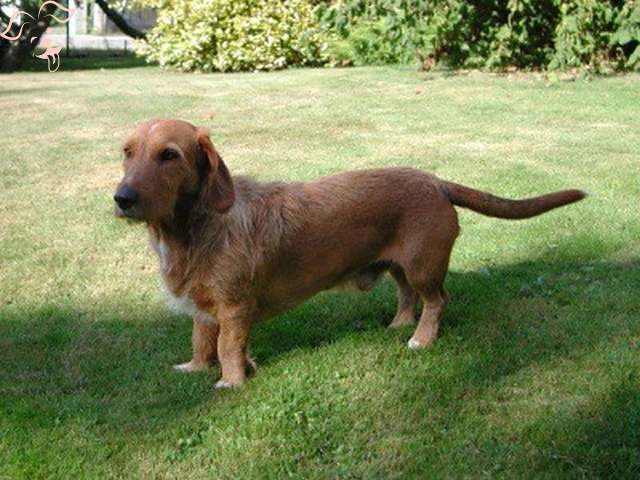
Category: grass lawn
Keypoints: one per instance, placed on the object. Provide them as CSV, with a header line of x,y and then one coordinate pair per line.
x,y
536,373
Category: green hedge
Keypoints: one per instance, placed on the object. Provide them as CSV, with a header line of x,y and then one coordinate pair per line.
x,y
231,35
228,35
554,34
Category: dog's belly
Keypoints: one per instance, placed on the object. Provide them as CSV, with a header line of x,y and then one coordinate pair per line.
x,y
288,289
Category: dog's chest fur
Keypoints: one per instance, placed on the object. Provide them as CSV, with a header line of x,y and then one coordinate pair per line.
x,y
179,303
185,305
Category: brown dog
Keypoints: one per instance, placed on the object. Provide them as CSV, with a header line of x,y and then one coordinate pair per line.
x,y
233,251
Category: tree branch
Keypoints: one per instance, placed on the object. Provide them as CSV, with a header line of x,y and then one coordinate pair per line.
x,y
119,21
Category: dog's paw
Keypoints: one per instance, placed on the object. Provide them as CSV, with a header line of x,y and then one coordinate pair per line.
x,y
414,344
189,367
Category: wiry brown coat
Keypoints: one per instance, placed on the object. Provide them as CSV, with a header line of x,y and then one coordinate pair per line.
x,y
235,251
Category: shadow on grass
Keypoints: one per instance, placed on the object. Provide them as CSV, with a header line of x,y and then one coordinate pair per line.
x,y
551,308
114,372
29,90
600,441
526,318
89,61
63,365
532,318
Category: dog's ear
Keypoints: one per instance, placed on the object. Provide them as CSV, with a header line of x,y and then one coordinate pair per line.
x,y
221,186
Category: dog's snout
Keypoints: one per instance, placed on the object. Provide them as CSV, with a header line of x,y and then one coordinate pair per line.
x,y
126,197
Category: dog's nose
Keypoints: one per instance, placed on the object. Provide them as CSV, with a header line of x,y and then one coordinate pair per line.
x,y
126,197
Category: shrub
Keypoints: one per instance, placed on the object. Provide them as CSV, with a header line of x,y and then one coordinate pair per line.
x,y
582,34
227,35
627,35
557,34
386,31
230,35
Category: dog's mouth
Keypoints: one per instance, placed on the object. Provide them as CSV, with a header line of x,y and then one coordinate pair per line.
x,y
127,203
129,214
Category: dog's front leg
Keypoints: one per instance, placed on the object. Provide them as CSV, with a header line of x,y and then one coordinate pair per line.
x,y
204,340
233,342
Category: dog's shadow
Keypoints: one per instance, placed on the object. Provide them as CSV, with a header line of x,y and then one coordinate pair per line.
x,y
115,367
519,314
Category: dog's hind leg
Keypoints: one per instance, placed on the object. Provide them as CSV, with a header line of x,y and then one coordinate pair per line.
x,y
427,330
204,340
426,276
407,299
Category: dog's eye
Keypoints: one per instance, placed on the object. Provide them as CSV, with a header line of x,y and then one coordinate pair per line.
x,y
127,152
168,154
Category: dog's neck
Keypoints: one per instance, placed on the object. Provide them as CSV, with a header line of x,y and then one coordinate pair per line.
x,y
199,239
176,239
172,252
190,213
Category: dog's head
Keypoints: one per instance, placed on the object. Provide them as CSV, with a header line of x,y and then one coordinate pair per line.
x,y
167,164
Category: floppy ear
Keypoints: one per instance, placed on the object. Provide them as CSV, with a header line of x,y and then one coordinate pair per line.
x,y
221,184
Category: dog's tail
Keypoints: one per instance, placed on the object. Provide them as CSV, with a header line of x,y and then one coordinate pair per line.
x,y
487,204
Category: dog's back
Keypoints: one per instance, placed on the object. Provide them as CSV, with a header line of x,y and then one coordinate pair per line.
x,y
234,251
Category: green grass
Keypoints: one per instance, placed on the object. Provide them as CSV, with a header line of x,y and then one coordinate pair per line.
x,y
536,370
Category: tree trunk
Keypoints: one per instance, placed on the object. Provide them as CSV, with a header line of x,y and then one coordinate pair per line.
x,y
119,21
15,54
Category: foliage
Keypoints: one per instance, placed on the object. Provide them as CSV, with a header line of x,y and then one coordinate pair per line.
x,y
627,36
225,35
557,34
387,31
582,34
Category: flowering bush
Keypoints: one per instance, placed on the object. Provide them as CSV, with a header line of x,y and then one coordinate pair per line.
x,y
228,35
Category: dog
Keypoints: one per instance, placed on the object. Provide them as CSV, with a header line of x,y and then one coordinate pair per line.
x,y
234,251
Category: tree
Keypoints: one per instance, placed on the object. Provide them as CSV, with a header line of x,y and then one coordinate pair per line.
x,y
22,33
